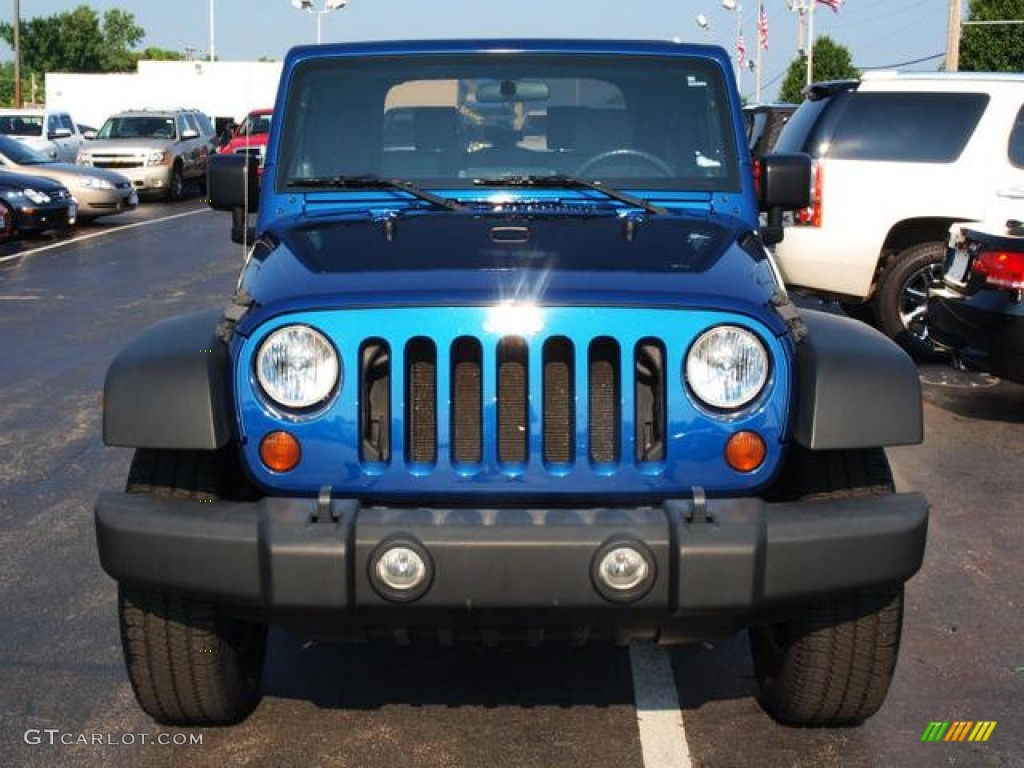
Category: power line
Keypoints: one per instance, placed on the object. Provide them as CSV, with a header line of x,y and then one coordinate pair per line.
x,y
905,63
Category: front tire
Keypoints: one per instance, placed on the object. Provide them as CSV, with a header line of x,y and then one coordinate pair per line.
x,y
188,661
901,302
833,664
176,186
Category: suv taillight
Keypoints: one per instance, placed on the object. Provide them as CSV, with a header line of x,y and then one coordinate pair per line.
x,y
1002,269
811,215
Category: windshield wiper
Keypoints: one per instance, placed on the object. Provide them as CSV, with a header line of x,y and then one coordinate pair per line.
x,y
559,180
375,182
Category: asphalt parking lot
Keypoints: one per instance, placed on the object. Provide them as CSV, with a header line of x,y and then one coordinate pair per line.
x,y
66,307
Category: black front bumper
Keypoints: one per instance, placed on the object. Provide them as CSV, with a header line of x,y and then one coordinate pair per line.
x,y
739,562
39,218
986,330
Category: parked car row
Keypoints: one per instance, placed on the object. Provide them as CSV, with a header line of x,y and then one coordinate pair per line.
x,y
101,172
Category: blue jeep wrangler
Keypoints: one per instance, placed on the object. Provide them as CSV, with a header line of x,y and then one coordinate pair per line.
x,y
508,360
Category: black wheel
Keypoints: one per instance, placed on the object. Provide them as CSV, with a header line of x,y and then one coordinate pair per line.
x,y
901,303
8,224
622,157
176,188
188,661
831,665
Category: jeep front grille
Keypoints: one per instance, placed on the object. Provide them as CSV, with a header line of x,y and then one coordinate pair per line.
x,y
546,403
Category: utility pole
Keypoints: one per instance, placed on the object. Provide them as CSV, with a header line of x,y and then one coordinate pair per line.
x,y
810,41
17,54
953,37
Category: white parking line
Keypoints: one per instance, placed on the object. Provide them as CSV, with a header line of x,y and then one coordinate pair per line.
x,y
104,233
662,737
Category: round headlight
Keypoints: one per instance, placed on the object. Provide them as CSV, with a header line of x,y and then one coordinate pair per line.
x,y
727,367
297,367
94,182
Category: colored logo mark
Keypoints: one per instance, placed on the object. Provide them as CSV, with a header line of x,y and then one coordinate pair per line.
x,y
958,730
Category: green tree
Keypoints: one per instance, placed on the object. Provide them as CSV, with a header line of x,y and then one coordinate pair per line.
x,y
996,47
831,62
159,54
7,83
120,35
75,41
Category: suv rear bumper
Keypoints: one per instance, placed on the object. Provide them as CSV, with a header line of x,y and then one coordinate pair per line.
x,y
986,330
742,558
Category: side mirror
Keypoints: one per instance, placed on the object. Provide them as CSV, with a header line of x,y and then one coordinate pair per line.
x,y
90,134
60,133
784,184
233,181
189,133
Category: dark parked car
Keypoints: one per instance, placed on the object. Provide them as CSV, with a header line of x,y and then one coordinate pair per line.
x,y
978,312
31,204
764,123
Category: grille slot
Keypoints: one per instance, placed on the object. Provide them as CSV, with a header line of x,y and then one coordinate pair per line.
x,y
559,422
603,364
421,400
375,401
649,415
513,425
467,401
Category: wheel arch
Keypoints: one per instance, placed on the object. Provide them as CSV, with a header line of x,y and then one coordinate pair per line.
x,y
908,232
854,387
169,387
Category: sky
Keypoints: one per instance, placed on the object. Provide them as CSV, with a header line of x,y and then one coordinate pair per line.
x,y
878,33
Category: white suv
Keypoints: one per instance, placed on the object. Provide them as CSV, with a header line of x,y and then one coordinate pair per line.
x,y
898,158
51,131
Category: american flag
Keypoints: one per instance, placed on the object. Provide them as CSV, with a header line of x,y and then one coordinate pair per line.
x,y
741,51
762,27
835,5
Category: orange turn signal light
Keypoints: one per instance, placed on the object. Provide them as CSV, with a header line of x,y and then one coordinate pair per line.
x,y
745,451
280,451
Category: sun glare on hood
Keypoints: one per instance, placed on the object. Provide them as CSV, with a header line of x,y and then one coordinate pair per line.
x,y
508,318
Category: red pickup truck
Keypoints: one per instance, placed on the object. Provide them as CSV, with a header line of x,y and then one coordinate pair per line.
x,y
249,137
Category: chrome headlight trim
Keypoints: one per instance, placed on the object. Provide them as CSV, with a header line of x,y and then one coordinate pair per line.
x,y
727,367
297,367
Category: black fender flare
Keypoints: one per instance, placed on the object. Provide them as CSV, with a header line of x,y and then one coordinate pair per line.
x,y
855,388
169,387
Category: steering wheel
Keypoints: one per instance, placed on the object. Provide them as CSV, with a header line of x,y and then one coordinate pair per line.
x,y
588,165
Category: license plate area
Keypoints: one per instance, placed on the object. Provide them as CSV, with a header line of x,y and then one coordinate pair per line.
x,y
958,264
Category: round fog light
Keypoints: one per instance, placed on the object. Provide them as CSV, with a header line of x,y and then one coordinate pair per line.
x,y
623,571
400,571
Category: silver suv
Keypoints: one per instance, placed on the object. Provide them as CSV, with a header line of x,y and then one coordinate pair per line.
x,y
159,150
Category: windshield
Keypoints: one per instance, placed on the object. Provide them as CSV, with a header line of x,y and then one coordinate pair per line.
x,y
254,125
628,121
138,127
21,154
21,125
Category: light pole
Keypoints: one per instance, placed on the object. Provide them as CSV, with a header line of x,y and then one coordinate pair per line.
x,y
329,5
17,55
213,43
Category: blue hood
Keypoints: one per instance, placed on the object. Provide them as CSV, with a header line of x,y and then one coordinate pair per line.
x,y
478,258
